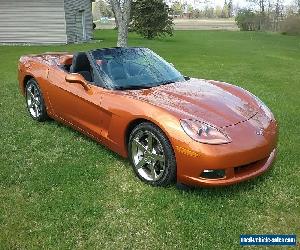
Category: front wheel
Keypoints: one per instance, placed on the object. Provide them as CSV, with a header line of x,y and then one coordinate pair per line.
x,y
35,101
151,155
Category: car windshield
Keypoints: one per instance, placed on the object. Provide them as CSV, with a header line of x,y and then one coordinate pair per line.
x,y
133,68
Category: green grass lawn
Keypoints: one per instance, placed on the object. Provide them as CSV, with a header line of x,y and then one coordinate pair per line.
x,y
59,189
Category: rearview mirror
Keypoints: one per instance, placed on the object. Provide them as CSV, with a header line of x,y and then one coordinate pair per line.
x,y
77,78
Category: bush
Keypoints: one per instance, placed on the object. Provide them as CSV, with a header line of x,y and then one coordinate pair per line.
x,y
151,18
291,26
247,20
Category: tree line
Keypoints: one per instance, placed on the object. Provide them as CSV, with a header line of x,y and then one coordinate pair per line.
x,y
179,9
230,8
183,9
270,15
152,18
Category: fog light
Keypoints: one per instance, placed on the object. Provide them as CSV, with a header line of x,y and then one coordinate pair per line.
x,y
213,174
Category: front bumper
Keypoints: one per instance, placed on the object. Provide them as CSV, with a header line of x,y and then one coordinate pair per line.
x,y
232,174
246,157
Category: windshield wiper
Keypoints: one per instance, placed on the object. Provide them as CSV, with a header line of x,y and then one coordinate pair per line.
x,y
132,87
166,82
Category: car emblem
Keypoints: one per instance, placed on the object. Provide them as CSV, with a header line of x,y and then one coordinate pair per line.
x,y
260,132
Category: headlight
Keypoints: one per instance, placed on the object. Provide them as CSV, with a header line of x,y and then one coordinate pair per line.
x,y
204,132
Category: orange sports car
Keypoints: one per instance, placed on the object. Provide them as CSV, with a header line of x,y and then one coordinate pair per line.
x,y
200,132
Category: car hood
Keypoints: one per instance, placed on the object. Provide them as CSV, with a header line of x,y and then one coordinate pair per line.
x,y
199,99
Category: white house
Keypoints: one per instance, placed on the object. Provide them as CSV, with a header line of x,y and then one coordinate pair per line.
x,y
45,21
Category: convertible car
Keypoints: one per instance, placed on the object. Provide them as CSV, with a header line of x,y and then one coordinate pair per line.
x,y
171,127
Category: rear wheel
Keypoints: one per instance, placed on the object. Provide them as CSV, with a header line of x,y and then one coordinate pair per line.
x,y
151,155
35,101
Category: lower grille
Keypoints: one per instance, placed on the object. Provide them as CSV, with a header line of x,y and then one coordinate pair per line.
x,y
248,167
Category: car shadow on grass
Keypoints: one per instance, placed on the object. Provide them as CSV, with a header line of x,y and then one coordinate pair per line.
x,y
232,190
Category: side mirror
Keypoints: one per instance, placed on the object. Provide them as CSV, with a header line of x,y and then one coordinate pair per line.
x,y
187,78
77,78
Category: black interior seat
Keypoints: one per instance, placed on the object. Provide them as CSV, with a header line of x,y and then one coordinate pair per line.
x,y
81,65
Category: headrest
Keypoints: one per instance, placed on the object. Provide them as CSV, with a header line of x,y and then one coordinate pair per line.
x,y
80,62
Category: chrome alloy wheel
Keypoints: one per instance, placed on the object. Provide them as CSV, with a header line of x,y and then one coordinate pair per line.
x,y
34,103
148,156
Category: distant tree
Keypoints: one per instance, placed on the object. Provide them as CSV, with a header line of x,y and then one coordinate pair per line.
x,y
190,10
104,8
262,6
121,10
196,13
298,6
263,17
224,10
151,18
177,8
269,6
208,11
291,25
230,8
219,11
278,15
247,20
290,10
260,3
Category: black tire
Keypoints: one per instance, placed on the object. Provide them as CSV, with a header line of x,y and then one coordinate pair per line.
x,y
168,175
32,89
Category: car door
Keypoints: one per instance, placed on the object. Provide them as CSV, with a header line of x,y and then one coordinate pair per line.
x,y
71,103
